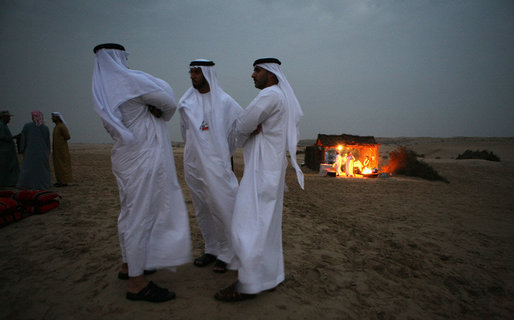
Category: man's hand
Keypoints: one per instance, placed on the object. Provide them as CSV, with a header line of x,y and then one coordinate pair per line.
x,y
155,111
258,130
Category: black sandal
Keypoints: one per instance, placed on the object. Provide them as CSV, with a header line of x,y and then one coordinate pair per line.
x,y
152,293
205,260
220,266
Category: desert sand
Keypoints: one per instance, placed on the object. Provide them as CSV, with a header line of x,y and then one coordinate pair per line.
x,y
382,248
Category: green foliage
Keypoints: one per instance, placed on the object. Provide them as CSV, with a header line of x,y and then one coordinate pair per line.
x,y
484,155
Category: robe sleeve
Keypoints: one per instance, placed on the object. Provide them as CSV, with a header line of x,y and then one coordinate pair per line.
x,y
260,109
183,125
231,127
46,136
5,135
65,133
23,139
162,101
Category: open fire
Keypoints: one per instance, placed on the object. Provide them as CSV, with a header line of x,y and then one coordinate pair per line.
x,y
350,161
344,156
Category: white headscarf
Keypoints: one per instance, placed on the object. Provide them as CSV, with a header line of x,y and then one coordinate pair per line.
x,y
294,112
114,83
191,100
58,114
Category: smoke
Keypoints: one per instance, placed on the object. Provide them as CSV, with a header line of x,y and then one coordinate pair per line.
x,y
403,161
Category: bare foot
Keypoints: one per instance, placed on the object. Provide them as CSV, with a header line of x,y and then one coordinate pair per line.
x,y
124,268
136,284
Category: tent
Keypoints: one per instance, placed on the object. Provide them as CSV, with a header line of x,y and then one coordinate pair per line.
x,y
327,146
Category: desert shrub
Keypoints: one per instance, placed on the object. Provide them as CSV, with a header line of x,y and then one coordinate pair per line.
x,y
484,155
405,162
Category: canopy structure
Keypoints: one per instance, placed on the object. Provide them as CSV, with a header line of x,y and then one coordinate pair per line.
x,y
326,147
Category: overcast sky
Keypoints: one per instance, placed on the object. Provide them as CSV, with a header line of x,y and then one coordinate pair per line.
x,y
385,68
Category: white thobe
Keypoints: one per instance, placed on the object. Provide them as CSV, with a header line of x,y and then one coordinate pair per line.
x,y
338,164
257,221
349,166
209,142
153,224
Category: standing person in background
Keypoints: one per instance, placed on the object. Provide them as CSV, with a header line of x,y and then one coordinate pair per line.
x,y
153,225
9,168
60,152
267,128
35,146
349,165
208,118
338,164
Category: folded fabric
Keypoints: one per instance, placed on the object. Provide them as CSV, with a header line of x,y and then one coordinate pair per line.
x,y
9,211
35,197
6,193
41,208
8,205
8,218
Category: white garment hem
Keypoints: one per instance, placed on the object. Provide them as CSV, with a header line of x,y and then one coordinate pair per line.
x,y
255,288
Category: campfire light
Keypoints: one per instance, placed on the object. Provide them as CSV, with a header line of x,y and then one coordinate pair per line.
x,y
344,156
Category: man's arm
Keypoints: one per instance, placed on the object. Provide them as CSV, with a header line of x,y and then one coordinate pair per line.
x,y
249,122
160,104
260,109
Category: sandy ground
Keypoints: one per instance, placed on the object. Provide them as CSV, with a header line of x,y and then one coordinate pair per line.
x,y
383,248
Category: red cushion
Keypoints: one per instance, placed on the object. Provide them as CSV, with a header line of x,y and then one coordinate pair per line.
x,y
35,197
9,218
41,208
6,193
8,205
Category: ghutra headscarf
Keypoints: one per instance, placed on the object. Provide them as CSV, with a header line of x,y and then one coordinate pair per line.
x,y
37,117
221,116
58,114
114,83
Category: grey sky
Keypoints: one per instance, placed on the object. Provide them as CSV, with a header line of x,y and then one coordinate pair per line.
x,y
386,68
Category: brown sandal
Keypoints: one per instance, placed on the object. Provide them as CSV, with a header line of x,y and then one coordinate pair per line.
x,y
230,294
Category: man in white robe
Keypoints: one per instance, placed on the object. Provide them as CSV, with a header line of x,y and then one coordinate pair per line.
x,y
153,224
349,165
208,116
338,164
267,128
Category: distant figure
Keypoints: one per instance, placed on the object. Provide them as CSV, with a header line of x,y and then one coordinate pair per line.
x,y
208,117
338,164
35,146
349,165
60,152
9,168
153,225
366,162
357,166
267,128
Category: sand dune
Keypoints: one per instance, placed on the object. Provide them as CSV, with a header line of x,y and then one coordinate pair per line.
x,y
384,248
